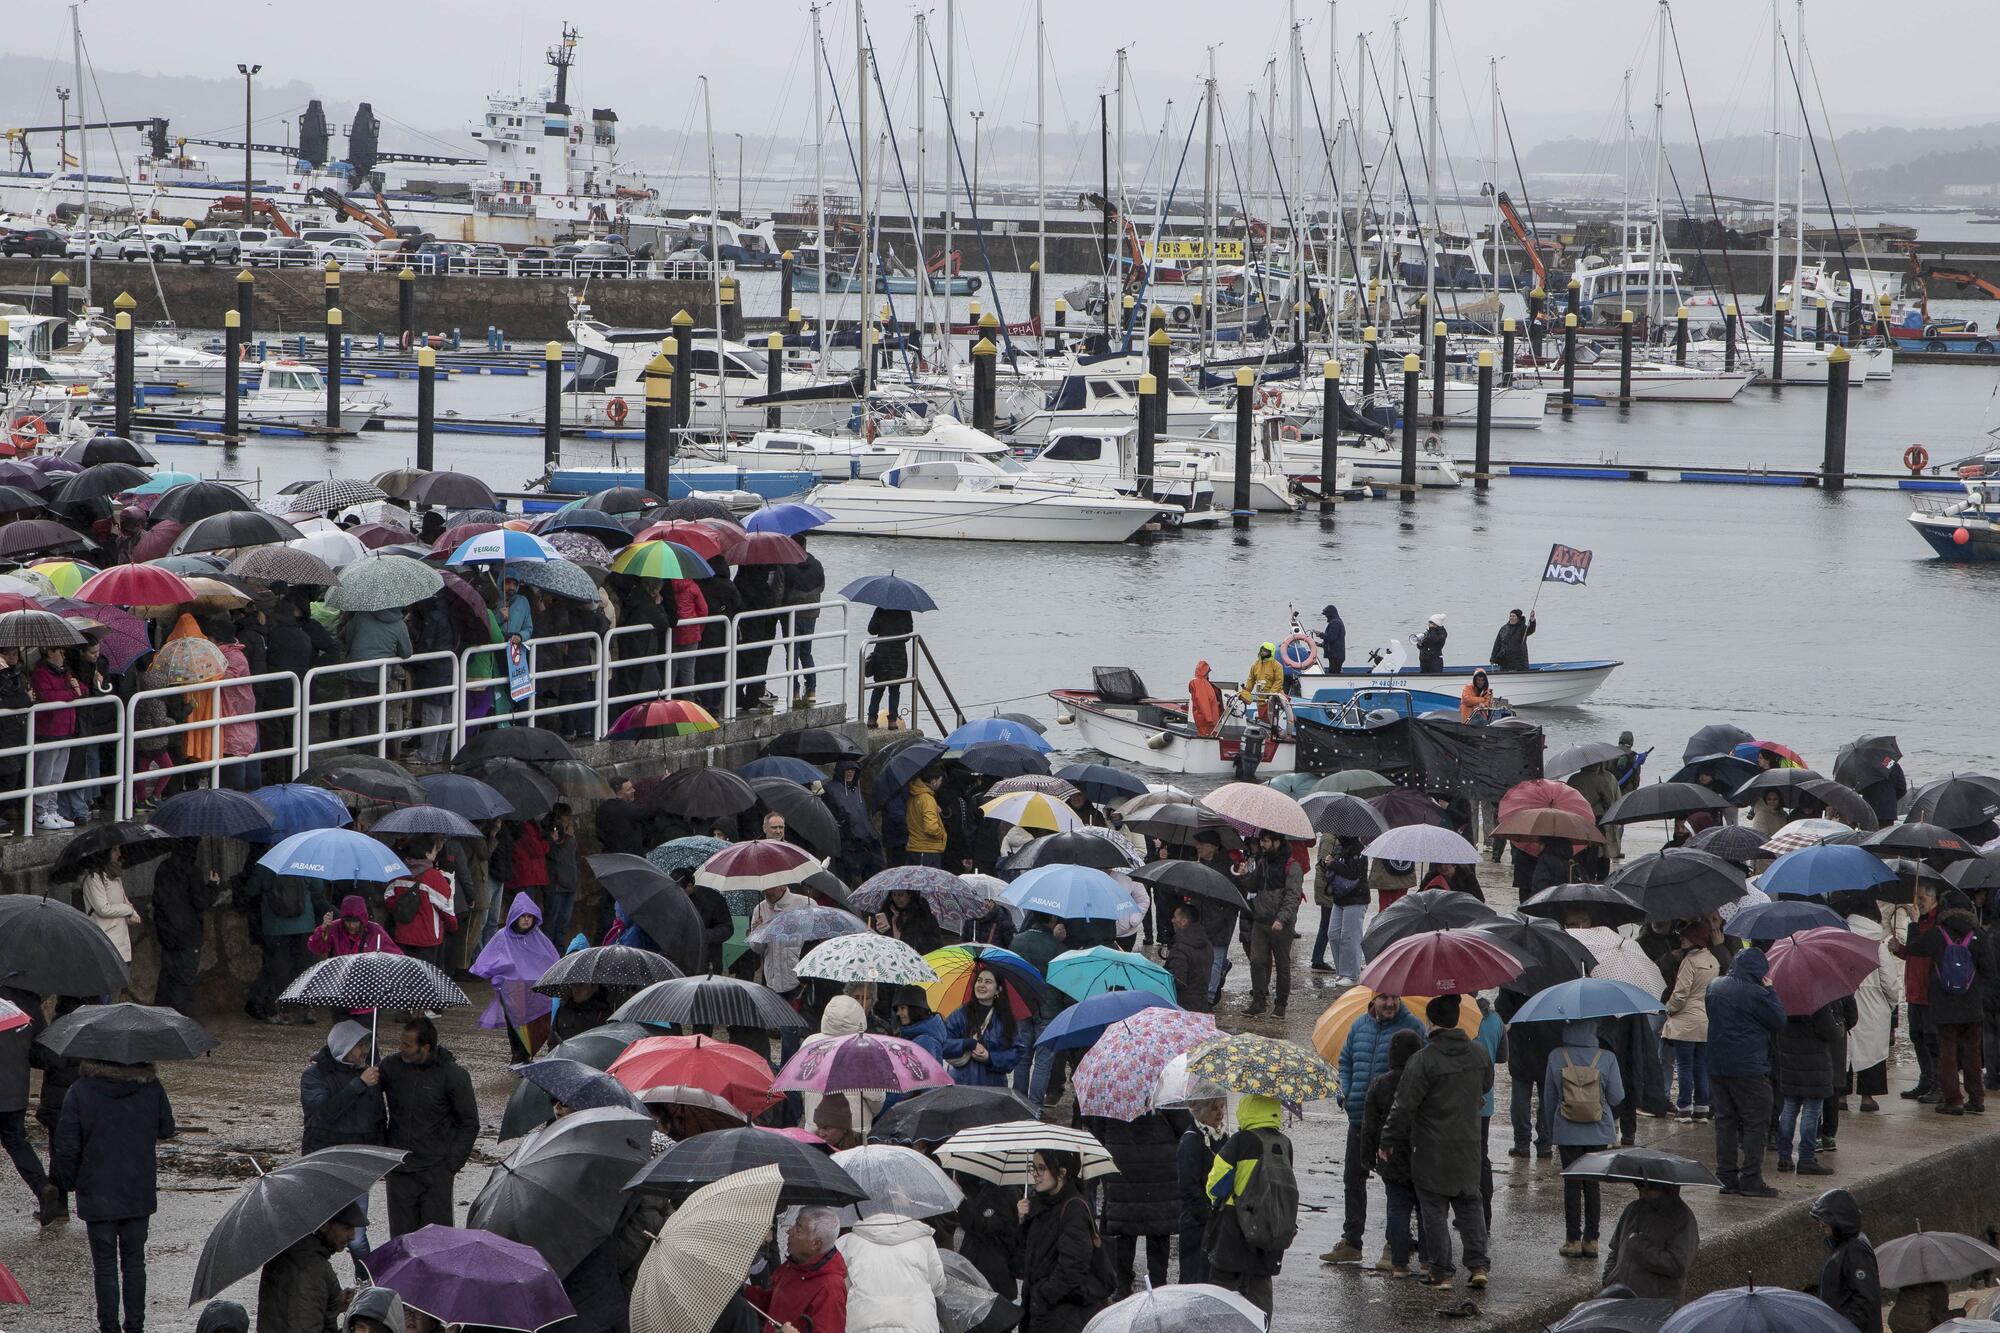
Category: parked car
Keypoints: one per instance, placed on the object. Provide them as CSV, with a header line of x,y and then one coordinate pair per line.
x,y
603,258
33,242
535,261
350,251
281,252
391,254
443,257
222,244
488,258
81,241
155,240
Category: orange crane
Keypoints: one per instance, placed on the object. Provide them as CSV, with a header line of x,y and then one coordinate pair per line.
x,y
1529,244
229,208
347,208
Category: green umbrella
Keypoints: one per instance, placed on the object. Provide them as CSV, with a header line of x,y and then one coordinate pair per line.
x,y
1293,784
384,583
660,560
1362,782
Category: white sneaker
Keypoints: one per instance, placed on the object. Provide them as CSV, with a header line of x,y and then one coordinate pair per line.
x,y
52,822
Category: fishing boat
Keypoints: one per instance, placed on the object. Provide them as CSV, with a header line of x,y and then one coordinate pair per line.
x,y
1542,685
1370,705
1964,526
1132,726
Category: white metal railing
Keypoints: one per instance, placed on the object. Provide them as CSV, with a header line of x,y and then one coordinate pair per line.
x,y
391,708
130,778
18,800
516,266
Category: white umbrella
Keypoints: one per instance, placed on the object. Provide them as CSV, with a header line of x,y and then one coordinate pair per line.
x,y
335,547
1620,959
703,1253
1005,1153
867,957
1193,1305
898,1180
1174,1088
1425,843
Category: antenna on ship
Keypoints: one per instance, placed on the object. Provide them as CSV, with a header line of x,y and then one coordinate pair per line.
x,y
561,57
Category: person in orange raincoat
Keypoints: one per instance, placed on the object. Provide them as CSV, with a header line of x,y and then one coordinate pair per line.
x,y
1204,702
203,742
1476,698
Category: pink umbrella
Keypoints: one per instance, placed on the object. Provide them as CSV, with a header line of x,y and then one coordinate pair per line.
x,y
1441,962
860,1062
1536,793
767,863
1116,1077
1259,807
13,1016
1817,966
135,585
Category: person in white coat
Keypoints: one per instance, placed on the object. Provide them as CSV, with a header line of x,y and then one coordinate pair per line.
x,y
894,1275
105,899
1875,1002
843,1017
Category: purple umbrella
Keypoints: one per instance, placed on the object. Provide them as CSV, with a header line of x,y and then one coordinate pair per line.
x,y
461,1276
124,637
51,463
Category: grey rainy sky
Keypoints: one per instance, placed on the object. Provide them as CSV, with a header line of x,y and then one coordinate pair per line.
x,y
430,65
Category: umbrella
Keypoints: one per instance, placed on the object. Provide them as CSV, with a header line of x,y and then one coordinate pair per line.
x,y
619,500
1933,1256
25,535
810,1176
657,719
1266,1066
1731,842
1757,1310
657,904
212,812
334,854
98,481
1330,1030
1080,1025
1362,782
1619,958
957,964
1073,893
1773,779
335,549
1774,920
581,1087
968,1299
557,577
1544,794
1575,758
1044,785
1972,876
1119,1075
501,546
1415,913
426,820
383,583
948,894
767,548
450,539
127,1034
1715,738
534,745
594,522
1003,759
936,1115
1678,885
1642,1166
375,981
1342,816
702,793
1839,799
704,1251
283,564
888,592
1663,800
1032,810
1260,807
41,629
1548,953
374,784
529,1106
1404,808
1584,998
530,792
1078,847
135,585
815,745
801,924
196,500
1004,1154
580,548
660,560
1817,871
1909,838
704,541
1802,833
108,449
1425,843
281,1206
867,957
457,1275
1865,760
560,1190
451,490
684,853
1440,962
1199,1305
733,1075
238,527
899,1180
296,807
709,1000
789,519
1817,966
466,796
14,500
608,965
861,1061
1962,801
898,762
67,577
806,816
983,729
138,842
336,493
1190,878
1082,973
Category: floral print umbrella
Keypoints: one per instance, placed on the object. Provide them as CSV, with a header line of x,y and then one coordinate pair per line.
x,y
1117,1076
1266,1066
869,957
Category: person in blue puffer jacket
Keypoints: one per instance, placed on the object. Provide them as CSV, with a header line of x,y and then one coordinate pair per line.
x,y
1364,1056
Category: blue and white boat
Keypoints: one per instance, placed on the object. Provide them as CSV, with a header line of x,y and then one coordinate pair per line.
x,y
1355,706
1542,685
1965,526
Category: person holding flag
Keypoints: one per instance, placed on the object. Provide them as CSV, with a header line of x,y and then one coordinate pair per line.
x,y
1510,645
514,960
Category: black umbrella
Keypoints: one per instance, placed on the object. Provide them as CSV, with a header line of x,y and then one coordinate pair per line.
x,y
466,796
98,481
595,522
1865,760
815,745
1962,802
1191,877
1774,779
376,784
1842,801
934,1115
607,965
1101,783
652,899
1176,823
454,490
26,535
282,1206
811,1176
620,500
709,999
702,793
1715,738
317,772
1973,876
1642,1166
109,449
576,780
579,1086
807,819
534,745
1916,838
1737,843
562,1191
1404,806
243,527
50,948
1002,759
827,885
1075,848
1575,758
196,500
212,812
375,981
530,1106
1911,872
1677,884
424,821
1663,800
1605,905
1616,1314
1343,815
1548,953
137,843
897,767
1420,913
14,500
531,794
1036,725
127,1034
692,506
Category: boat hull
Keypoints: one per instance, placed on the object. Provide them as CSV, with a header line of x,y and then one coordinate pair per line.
x,y
1154,733
682,481
1982,539
864,509
1549,685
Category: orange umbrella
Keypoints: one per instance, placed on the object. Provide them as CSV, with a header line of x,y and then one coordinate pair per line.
x,y
1544,821
1329,1034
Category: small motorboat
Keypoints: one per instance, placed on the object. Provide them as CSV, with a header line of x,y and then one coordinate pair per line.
x,y
1542,685
1121,720
294,393
1964,526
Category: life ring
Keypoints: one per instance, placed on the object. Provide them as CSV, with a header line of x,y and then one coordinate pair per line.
x,y
1268,398
617,411
1298,653
1182,316
408,339
26,431
1290,432
1916,458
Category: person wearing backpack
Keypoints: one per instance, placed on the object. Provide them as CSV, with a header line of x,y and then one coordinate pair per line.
x,y
1436,1117
288,907
1256,1196
1064,1268
1583,1083
1956,948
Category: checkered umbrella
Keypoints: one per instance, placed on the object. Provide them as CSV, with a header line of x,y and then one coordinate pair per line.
x,y
384,583
684,853
37,629
375,981
557,576
337,493
703,1253
283,564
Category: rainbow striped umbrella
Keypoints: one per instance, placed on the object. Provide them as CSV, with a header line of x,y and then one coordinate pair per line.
x,y
660,560
65,576
661,717
957,964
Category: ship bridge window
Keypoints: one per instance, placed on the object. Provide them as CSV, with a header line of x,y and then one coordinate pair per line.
x,y
1179,388
1075,449
1100,390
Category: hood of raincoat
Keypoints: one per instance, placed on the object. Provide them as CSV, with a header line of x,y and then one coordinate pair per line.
x,y
844,1017
1580,1032
382,1305
891,1229
1201,671
1258,1112
523,905
344,1037
1839,1211
223,1317
1751,965
354,907
513,956
1404,1044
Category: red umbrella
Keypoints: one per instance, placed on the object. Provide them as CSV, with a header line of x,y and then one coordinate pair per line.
x,y
729,533
735,1074
1543,793
448,541
1547,822
763,864
1818,966
768,548
375,536
135,585
698,537
11,1291
1441,962
14,601
158,541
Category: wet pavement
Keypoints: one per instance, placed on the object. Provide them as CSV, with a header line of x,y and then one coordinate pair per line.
x,y
238,1110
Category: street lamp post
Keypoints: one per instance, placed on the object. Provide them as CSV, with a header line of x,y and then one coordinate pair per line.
x,y
248,72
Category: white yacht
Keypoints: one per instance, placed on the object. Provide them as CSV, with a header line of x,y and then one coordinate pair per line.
x,y
31,352
1103,394
289,392
159,356
1110,458
828,457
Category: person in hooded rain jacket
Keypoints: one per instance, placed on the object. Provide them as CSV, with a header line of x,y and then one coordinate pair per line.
x,y
1577,1138
1057,1250
1510,645
105,1151
1743,1016
350,931
1436,1116
1204,702
1653,1246
1265,676
1475,701
514,961
1233,1262
1430,647
894,1275
843,1017
1849,1280
1956,1013
297,1292
375,1310
1333,640
434,1118
1364,1057
220,1316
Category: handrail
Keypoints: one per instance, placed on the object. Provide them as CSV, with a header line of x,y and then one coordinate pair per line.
x,y
379,701
128,747
33,745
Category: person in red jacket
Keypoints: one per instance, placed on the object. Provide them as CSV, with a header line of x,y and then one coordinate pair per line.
x,y
53,680
808,1292
1917,991
689,605
528,870
420,906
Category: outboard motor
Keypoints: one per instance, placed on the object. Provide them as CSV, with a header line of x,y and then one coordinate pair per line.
x,y
1250,754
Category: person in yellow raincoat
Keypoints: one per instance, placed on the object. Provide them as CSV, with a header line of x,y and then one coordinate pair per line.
x,y
1266,676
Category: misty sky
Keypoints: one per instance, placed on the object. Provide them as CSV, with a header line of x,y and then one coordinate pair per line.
x,y
431,65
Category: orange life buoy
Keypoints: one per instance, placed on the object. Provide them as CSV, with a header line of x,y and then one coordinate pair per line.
x,y
616,410
1916,458
26,431
1298,652
409,339
1268,398
1290,432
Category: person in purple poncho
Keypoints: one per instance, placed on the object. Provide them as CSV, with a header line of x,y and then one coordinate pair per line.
x,y
514,960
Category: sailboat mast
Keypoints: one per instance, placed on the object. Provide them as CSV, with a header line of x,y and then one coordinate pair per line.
x,y
1118,136
1625,168
819,196
1777,168
950,162
1208,206
83,142
1493,170
1361,196
1295,57
923,198
1387,267
1435,250
1799,70
715,263
1041,180
864,147
1656,308
1336,181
